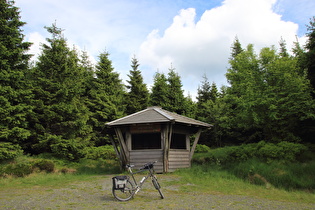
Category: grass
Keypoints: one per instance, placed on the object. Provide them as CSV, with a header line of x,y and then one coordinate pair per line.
x,y
211,179
200,178
65,172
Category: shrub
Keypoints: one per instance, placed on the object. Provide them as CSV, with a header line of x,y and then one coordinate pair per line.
x,y
45,165
267,152
67,149
200,148
18,169
102,152
9,151
284,151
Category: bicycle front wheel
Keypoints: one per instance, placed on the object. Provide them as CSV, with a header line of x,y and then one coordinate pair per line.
x,y
157,186
124,194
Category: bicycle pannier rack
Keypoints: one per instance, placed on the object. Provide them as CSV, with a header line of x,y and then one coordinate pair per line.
x,y
119,182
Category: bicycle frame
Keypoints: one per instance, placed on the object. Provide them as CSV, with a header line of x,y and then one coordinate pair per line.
x,y
137,186
128,187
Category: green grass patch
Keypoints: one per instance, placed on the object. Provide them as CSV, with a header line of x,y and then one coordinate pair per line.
x,y
215,180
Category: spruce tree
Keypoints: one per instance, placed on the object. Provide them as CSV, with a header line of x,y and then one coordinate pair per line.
x,y
104,97
236,48
310,55
60,125
137,96
14,90
159,91
204,91
176,99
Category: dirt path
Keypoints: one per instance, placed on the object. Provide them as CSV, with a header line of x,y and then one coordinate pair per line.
x,y
96,194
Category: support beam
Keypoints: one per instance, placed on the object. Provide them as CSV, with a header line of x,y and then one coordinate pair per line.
x,y
119,154
194,145
123,146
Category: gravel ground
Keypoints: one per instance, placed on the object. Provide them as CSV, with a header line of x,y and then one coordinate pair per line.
x,y
96,194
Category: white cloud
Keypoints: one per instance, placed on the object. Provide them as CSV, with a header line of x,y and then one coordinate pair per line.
x,y
37,39
203,46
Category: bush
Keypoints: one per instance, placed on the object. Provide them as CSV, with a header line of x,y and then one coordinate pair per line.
x,y
44,165
102,152
267,152
67,149
9,151
20,168
200,148
284,151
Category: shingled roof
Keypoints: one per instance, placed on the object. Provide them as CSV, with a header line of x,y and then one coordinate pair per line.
x,y
156,115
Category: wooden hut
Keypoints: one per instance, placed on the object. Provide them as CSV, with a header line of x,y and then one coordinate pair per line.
x,y
156,134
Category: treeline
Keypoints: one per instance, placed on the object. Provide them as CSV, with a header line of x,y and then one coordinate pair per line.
x,y
60,103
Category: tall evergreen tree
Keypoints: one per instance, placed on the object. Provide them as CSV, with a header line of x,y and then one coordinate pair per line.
x,y
60,125
159,91
300,55
214,94
283,48
176,99
137,96
105,97
14,90
310,55
236,48
204,91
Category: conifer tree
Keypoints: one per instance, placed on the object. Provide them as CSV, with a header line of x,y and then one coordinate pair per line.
x,y
268,97
105,94
236,48
310,55
14,90
60,125
137,96
204,91
159,91
176,99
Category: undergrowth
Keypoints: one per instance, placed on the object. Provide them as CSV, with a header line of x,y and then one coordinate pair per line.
x,y
285,165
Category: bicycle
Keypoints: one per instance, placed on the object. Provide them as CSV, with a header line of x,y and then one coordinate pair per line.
x,y
124,188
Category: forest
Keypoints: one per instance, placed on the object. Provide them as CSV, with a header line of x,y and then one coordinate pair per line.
x,y
60,103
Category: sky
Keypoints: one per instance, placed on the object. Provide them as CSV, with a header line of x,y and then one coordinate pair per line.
x,y
192,36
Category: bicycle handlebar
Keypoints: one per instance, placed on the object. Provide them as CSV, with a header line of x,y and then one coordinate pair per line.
x,y
146,166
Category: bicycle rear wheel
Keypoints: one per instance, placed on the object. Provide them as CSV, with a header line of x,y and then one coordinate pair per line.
x,y
124,194
157,186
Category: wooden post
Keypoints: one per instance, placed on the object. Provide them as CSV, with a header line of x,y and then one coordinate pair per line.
x,y
168,146
194,145
124,149
117,151
165,161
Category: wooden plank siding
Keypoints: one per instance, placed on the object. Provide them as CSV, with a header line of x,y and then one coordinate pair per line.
x,y
141,157
178,159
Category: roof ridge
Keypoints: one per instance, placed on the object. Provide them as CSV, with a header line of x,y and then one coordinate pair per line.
x,y
162,112
182,116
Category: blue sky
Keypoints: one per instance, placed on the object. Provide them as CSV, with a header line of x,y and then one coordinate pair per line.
x,y
194,36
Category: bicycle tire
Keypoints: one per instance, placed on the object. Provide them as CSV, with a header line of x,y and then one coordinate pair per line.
x,y
124,194
157,186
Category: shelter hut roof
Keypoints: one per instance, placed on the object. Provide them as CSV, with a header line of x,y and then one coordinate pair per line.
x,y
156,115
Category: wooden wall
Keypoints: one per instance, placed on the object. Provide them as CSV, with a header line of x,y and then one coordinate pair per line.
x,y
178,159
141,157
